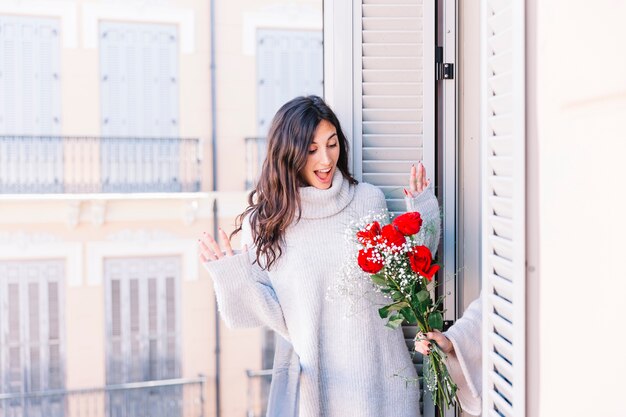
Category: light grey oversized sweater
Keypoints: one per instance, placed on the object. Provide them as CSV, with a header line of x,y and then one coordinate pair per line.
x,y
329,363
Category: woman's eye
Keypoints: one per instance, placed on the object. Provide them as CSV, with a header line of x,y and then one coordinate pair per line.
x,y
312,151
333,145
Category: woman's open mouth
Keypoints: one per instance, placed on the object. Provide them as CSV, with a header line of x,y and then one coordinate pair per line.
x,y
324,175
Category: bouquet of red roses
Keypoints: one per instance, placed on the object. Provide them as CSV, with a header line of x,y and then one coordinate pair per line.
x,y
403,269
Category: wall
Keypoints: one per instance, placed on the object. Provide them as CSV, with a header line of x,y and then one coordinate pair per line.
x,y
576,106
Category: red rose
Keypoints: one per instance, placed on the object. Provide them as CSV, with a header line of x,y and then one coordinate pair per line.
x,y
369,233
368,262
391,236
408,223
420,259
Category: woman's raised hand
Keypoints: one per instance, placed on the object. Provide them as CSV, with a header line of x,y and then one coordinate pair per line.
x,y
422,345
210,250
417,180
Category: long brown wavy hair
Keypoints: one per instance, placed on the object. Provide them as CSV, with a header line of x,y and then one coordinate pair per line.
x,y
274,202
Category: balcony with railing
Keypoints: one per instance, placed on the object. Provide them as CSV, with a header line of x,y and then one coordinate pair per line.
x,y
64,164
166,398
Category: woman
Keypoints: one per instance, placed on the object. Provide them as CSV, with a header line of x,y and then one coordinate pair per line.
x,y
292,233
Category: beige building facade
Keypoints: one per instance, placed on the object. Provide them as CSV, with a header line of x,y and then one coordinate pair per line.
x,y
103,202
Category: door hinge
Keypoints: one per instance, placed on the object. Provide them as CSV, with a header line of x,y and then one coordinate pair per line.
x,y
443,70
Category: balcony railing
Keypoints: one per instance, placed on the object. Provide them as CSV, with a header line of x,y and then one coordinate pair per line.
x,y
256,150
166,398
258,391
63,164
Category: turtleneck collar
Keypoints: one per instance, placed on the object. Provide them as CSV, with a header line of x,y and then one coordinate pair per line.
x,y
317,203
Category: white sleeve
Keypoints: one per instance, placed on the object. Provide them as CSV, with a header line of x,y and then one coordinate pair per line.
x,y
427,205
245,296
465,364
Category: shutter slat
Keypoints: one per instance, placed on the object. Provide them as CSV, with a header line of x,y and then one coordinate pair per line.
x,y
392,89
502,207
391,154
392,23
392,50
502,227
382,76
503,367
502,267
502,287
501,247
501,186
501,347
501,41
392,2
391,10
392,128
501,85
501,166
387,167
502,103
399,140
392,63
500,20
501,125
392,102
502,406
392,36
501,64
500,145
390,115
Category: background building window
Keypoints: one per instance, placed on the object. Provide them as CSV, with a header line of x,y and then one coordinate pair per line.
x,y
31,342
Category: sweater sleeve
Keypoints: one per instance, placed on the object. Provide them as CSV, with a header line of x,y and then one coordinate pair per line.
x,y
465,363
427,205
245,296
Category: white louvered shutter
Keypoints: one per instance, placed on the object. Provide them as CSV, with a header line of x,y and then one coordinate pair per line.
x,y
503,207
143,331
394,108
30,93
139,100
394,115
142,318
31,334
289,64
139,79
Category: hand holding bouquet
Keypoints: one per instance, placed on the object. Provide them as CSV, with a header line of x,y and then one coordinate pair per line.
x,y
403,270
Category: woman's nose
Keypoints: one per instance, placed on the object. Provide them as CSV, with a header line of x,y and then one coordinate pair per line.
x,y
325,156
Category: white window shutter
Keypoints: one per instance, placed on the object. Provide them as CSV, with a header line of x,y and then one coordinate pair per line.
x,y
30,92
503,207
31,334
289,64
394,109
143,325
139,80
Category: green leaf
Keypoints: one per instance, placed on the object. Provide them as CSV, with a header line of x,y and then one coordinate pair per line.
x,y
379,280
423,296
384,311
435,320
395,322
409,315
423,301
397,296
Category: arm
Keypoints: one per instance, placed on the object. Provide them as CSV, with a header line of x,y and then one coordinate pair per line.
x,y
245,296
462,343
427,205
465,360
